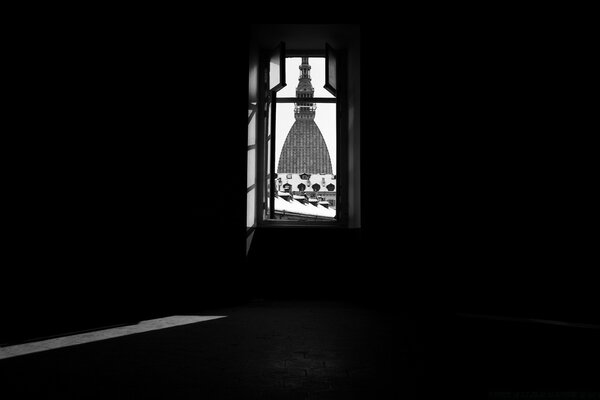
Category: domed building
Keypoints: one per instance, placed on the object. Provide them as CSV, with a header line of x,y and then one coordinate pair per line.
x,y
304,170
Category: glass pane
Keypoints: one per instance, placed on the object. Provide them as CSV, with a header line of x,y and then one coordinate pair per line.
x,y
264,193
331,69
252,130
251,176
325,119
276,69
317,76
251,208
332,73
274,73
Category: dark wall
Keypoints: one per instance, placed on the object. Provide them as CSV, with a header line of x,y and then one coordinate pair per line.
x,y
480,130
310,263
120,127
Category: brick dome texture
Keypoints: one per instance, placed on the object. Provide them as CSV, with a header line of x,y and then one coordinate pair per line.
x,y
305,150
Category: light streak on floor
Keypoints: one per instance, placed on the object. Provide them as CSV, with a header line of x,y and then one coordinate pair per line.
x,y
103,334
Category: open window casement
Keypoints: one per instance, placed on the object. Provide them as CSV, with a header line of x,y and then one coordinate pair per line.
x,y
261,91
277,69
252,184
331,73
275,81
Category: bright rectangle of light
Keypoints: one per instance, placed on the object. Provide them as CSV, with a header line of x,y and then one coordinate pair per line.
x,y
94,336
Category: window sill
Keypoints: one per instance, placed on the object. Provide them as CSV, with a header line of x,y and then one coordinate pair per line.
x,y
273,224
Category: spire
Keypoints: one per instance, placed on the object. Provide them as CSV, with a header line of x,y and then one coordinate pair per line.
x,y
304,90
304,69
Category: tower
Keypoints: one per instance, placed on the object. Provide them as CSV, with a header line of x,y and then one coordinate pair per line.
x,y
305,164
304,150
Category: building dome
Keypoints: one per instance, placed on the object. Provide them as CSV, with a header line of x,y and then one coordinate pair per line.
x,y
305,150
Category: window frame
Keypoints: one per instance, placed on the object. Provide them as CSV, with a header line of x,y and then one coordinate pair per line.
x,y
341,167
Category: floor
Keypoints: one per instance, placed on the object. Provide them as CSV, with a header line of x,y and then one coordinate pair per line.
x,y
318,350
504,358
261,350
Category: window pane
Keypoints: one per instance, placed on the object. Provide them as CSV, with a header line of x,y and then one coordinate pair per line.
x,y
325,119
331,69
250,208
252,129
264,195
276,69
251,177
274,74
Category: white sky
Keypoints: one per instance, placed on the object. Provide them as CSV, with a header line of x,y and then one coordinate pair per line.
x,y
324,116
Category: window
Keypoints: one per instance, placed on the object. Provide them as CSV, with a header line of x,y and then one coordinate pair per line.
x,y
334,76
300,135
